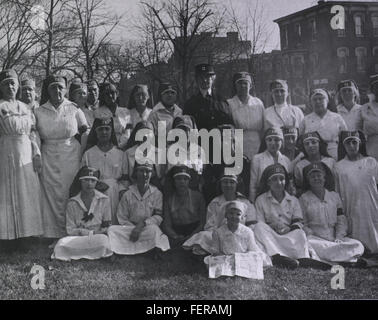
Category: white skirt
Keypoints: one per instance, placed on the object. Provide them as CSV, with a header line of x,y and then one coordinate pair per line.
x,y
204,239
150,237
82,247
293,244
347,251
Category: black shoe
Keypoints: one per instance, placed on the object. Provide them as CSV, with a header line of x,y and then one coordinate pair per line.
x,y
284,262
316,264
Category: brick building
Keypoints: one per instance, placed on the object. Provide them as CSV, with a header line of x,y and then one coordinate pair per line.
x,y
315,55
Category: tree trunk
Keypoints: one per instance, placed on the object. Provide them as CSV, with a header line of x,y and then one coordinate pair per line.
x,y
50,42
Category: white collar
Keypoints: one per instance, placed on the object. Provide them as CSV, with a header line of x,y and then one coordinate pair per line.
x,y
206,92
98,195
280,106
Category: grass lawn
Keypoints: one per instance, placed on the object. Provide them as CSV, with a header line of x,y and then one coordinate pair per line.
x,y
176,277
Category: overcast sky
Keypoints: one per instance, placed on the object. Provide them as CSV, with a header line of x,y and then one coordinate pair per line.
x,y
274,9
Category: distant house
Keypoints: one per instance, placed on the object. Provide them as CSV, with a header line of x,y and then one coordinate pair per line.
x,y
315,55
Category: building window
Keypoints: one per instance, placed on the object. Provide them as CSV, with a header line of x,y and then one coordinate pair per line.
x,y
267,65
374,20
361,54
297,63
286,66
285,39
278,68
313,29
314,61
341,32
358,26
342,55
298,30
375,54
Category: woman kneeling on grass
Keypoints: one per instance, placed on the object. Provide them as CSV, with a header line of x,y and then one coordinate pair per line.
x,y
88,216
201,243
279,229
139,214
234,237
325,223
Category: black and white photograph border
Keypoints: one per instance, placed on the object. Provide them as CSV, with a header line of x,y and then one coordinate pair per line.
x,y
61,56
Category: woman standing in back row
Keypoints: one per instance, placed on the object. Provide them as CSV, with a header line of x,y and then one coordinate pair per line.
x,y
59,123
281,114
327,123
20,159
248,113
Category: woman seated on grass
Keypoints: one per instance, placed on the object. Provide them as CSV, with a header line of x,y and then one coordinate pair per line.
x,y
103,153
87,219
201,243
184,208
140,215
280,218
325,223
234,237
314,150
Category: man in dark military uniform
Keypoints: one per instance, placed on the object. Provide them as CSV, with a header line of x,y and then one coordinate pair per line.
x,y
208,110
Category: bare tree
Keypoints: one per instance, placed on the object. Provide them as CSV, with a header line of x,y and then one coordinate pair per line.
x,y
116,61
181,24
17,37
152,50
250,20
96,25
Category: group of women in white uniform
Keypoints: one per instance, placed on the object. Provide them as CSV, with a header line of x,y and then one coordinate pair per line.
x,y
71,172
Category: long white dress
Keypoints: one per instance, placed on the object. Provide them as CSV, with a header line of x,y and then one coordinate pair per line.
x,y
215,218
356,182
20,196
80,243
132,209
323,225
110,165
250,118
273,216
61,155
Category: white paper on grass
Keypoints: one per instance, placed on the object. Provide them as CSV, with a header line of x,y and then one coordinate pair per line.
x,y
247,265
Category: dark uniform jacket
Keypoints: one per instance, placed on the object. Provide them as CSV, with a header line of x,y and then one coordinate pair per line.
x,y
209,112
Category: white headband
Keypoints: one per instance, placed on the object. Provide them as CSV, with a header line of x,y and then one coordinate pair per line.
x,y
350,138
